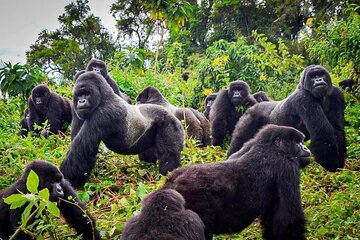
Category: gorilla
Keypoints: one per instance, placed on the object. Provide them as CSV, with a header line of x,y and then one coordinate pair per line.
x,y
347,84
227,108
43,104
316,108
98,66
74,211
164,217
262,180
261,96
209,100
124,128
197,125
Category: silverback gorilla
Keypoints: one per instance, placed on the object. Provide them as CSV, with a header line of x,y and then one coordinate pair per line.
x,y
98,66
209,100
316,108
197,125
43,105
227,108
50,177
262,180
164,217
124,128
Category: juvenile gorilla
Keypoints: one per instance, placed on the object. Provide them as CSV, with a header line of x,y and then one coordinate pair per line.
x,y
164,217
209,100
43,105
261,180
51,178
227,108
197,125
316,108
261,96
98,66
124,128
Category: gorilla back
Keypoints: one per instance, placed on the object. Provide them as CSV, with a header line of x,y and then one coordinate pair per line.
x,y
124,128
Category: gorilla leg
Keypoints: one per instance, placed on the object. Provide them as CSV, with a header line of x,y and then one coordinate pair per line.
x,y
169,145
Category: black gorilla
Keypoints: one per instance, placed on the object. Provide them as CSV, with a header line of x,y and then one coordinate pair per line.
x,y
43,104
209,100
227,108
261,96
75,213
124,128
196,124
347,84
316,108
164,217
98,66
262,180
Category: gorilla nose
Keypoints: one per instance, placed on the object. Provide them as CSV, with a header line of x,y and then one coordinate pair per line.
x,y
81,102
59,190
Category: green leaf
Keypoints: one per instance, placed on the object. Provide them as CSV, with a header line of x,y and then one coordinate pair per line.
x,y
25,215
53,209
32,182
13,198
44,194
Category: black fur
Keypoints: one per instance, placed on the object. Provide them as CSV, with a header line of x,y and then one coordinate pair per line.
x,y
50,177
124,128
209,100
347,84
316,108
261,96
164,217
196,124
227,109
262,180
43,104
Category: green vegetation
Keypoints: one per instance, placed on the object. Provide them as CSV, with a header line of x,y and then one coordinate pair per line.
x,y
194,61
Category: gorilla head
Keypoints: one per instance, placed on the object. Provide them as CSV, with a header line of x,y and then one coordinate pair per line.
x,y
238,92
209,100
87,97
98,66
40,96
261,96
316,80
151,95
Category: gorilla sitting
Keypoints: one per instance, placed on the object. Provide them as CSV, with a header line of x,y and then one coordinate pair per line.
x,y
164,217
209,100
261,96
43,105
124,128
228,107
316,108
60,190
262,180
197,125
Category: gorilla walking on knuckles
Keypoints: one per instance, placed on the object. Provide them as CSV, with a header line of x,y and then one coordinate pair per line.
x,y
197,125
74,211
227,108
124,128
43,104
316,108
164,217
262,180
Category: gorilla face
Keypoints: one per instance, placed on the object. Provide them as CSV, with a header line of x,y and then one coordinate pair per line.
x,y
317,80
210,100
238,92
40,96
87,98
97,66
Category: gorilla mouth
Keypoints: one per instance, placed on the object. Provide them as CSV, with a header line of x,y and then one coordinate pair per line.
x,y
320,85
